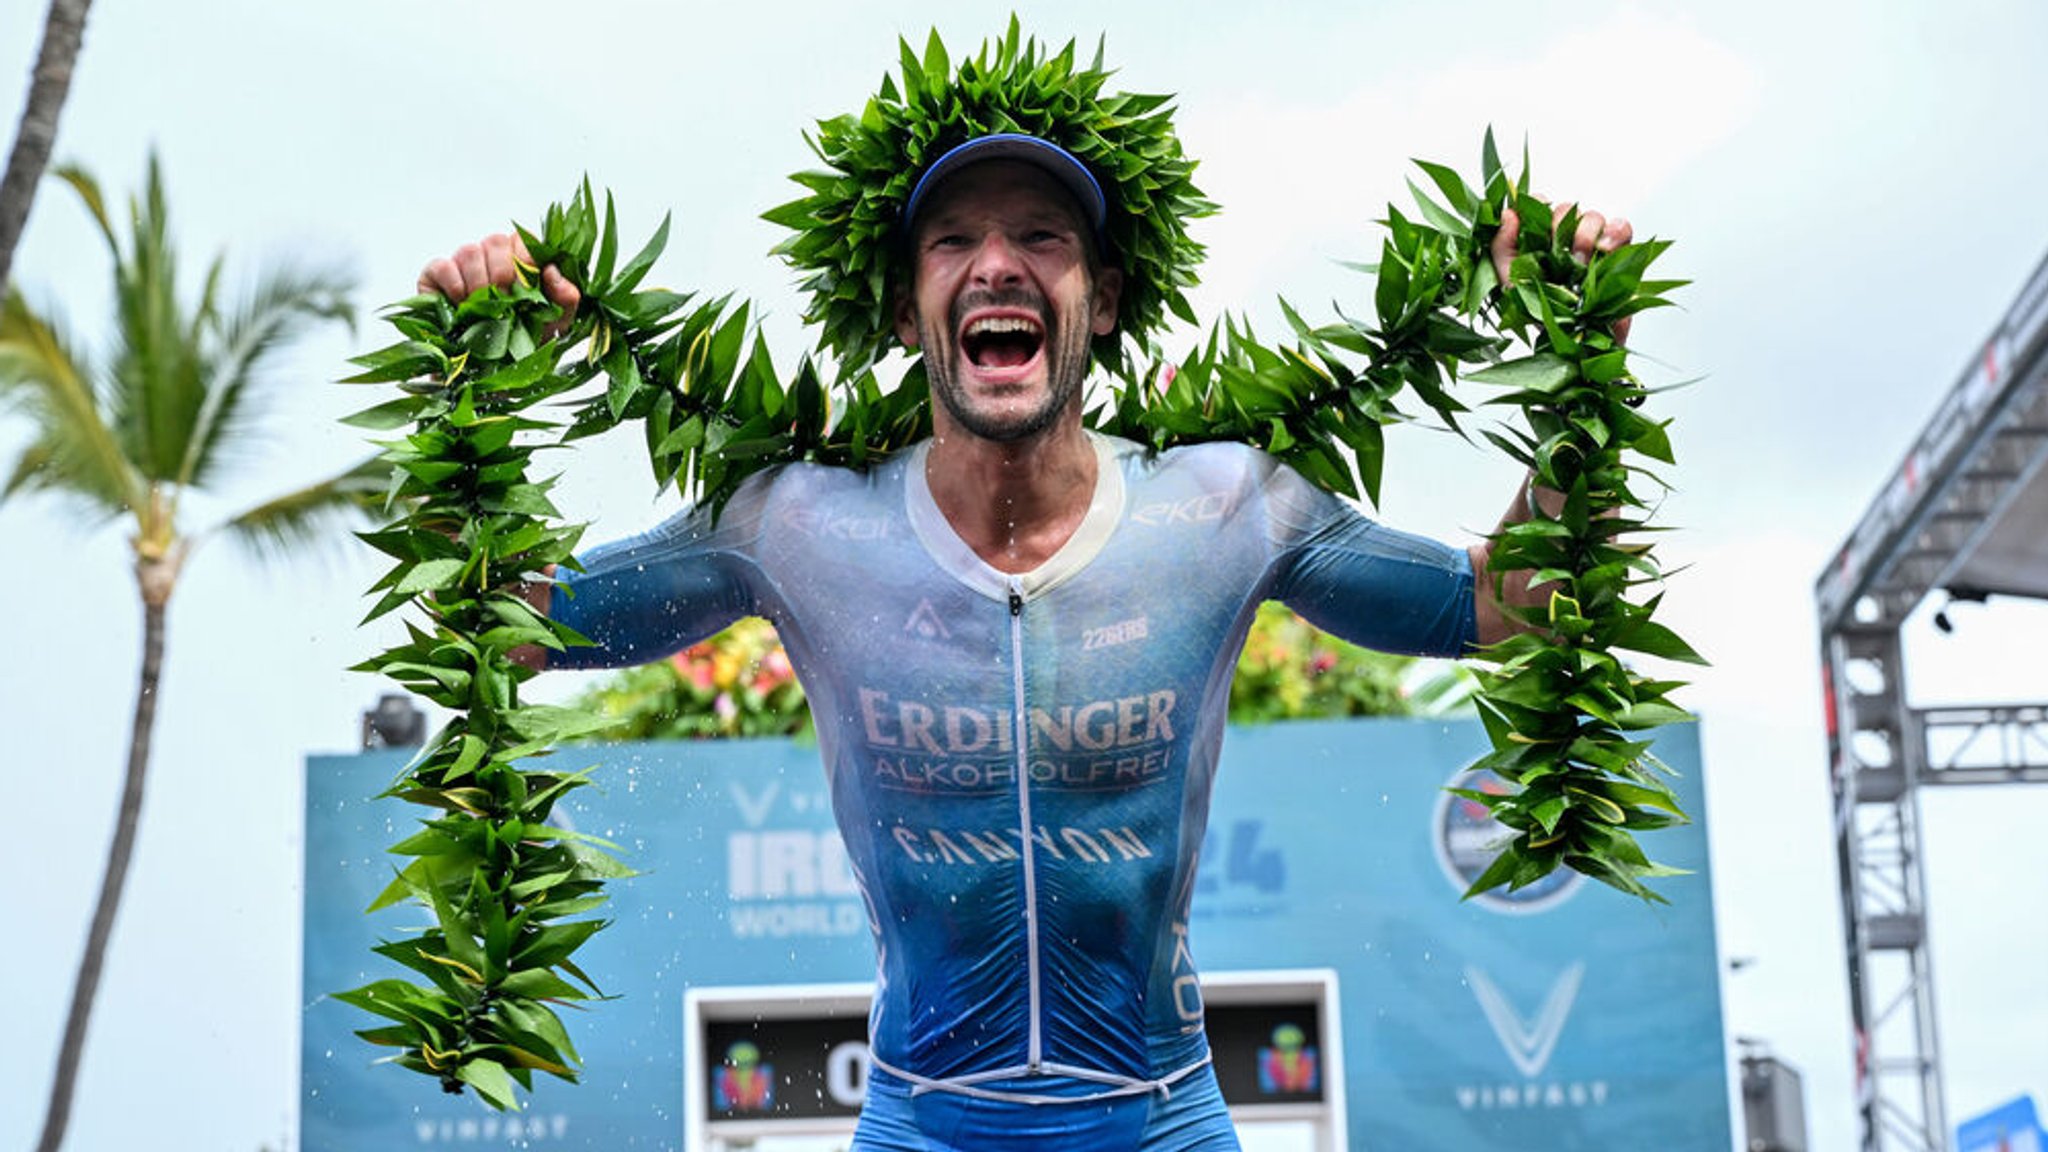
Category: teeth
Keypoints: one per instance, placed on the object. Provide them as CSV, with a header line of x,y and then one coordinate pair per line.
x,y
996,325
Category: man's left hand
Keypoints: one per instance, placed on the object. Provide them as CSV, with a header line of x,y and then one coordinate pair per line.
x,y
1596,233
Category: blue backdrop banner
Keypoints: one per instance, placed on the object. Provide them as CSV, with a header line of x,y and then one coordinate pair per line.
x,y
1566,1017
2010,1127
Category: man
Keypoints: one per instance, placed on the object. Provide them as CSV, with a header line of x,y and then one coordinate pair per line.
x,y
1017,639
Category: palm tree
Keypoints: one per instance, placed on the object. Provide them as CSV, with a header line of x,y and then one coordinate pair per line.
x,y
49,83
128,438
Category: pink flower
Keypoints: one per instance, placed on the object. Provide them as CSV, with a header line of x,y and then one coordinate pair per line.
x,y
1164,380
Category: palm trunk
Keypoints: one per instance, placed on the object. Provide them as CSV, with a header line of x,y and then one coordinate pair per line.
x,y
49,83
118,853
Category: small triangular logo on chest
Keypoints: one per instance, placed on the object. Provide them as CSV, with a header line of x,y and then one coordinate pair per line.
x,y
925,622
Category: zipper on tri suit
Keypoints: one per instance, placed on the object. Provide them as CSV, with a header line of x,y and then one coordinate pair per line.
x,y
1035,1054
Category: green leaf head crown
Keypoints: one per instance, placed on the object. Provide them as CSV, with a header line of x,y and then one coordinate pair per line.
x,y
847,245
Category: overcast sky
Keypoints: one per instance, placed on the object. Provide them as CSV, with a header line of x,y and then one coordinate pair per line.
x,y
1854,188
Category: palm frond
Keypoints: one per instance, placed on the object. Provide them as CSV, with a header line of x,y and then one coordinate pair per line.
x,y
33,472
158,385
28,468
135,434
88,189
71,448
285,303
310,516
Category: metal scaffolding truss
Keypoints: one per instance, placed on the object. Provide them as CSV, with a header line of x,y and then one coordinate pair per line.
x,y
1966,515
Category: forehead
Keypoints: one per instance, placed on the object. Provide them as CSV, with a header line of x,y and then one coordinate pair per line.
x,y
1003,189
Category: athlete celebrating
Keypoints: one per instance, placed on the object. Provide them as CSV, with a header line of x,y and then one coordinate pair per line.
x,y
1017,639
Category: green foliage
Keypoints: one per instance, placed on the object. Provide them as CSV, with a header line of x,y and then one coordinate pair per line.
x,y
509,891
845,238
172,401
1562,705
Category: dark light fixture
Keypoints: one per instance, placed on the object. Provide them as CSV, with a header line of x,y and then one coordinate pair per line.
x,y
394,723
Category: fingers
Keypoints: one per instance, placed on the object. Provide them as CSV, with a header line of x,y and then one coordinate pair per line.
x,y
1503,248
495,262
1594,232
497,252
470,265
490,261
559,291
1597,233
441,275
1591,224
561,294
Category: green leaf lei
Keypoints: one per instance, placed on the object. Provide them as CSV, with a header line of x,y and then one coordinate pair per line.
x,y
509,890
1560,705
844,239
510,893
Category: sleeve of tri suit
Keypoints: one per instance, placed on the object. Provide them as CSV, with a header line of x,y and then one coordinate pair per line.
x,y
1358,579
647,596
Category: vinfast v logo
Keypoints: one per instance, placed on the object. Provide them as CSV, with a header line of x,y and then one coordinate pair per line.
x,y
1528,1043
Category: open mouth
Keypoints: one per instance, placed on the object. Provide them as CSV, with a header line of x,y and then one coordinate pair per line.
x,y
1002,341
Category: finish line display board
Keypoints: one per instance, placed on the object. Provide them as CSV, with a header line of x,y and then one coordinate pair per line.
x,y
1568,1017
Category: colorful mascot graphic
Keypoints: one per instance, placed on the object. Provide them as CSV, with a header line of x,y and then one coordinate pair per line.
x,y
742,1083
1288,1067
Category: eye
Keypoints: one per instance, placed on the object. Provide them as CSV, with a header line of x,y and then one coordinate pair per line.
x,y
947,240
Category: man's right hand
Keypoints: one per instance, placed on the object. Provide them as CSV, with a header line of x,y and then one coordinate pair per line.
x,y
492,261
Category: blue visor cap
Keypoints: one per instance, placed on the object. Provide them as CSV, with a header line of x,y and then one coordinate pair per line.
x,y
1047,156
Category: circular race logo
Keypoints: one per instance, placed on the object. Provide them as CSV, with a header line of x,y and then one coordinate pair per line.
x,y
1467,838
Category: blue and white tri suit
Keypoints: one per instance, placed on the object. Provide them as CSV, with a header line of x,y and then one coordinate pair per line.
x,y
1020,765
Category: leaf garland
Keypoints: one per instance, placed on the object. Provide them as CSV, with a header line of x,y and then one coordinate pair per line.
x,y
509,890
1564,712
473,530
845,240
1563,709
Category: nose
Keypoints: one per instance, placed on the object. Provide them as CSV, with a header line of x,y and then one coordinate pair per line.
x,y
996,262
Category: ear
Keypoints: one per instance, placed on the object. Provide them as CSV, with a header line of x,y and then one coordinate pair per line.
x,y
1109,290
906,317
